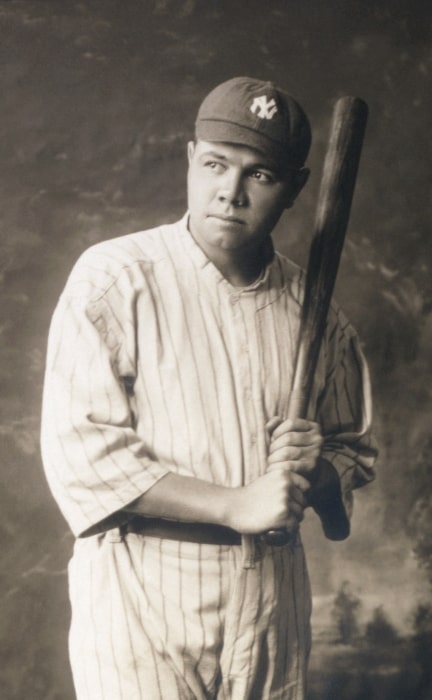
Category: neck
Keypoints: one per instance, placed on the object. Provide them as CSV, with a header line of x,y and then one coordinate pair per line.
x,y
242,271
243,266
240,267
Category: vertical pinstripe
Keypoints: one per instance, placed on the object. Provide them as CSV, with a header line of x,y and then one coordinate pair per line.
x,y
155,364
165,620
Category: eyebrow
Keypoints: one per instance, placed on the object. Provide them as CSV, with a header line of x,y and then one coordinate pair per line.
x,y
255,164
212,154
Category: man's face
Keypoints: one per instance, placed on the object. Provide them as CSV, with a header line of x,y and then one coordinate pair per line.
x,y
235,196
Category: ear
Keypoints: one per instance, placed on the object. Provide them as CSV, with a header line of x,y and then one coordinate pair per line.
x,y
190,150
296,184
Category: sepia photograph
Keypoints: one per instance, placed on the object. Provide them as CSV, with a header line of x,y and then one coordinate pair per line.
x,y
216,350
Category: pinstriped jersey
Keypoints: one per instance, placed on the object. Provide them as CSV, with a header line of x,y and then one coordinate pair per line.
x,y
156,363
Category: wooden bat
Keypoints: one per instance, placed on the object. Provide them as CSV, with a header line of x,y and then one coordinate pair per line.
x,y
331,220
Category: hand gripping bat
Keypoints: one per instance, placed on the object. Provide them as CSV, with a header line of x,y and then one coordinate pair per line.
x,y
331,220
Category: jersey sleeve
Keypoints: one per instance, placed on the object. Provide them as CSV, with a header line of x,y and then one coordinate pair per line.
x,y
344,411
94,460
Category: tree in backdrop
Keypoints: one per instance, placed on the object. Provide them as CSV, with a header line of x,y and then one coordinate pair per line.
x,y
380,631
346,607
422,646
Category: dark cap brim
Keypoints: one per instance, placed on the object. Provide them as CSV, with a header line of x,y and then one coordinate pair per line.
x,y
229,132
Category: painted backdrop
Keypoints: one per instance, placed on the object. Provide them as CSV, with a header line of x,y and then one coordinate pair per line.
x,y
98,100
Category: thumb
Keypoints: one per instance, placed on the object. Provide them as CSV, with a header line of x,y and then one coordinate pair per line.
x,y
272,424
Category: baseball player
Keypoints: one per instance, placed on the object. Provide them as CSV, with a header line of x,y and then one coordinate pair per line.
x,y
164,433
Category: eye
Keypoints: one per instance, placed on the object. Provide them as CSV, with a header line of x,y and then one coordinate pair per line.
x,y
214,165
263,176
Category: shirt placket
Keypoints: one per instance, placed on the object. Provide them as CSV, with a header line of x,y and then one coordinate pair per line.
x,y
247,378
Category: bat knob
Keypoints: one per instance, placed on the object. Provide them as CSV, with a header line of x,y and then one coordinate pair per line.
x,y
276,538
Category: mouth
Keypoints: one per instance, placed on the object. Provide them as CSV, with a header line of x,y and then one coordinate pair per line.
x,y
226,218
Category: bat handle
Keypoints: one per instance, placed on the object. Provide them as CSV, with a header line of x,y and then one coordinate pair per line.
x,y
297,408
276,538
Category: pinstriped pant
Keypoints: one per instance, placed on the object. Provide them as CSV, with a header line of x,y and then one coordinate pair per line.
x,y
162,620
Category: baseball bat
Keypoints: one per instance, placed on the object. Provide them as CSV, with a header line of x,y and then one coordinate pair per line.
x,y
331,220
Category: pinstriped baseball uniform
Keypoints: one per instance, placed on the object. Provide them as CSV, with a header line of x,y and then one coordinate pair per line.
x,y
156,364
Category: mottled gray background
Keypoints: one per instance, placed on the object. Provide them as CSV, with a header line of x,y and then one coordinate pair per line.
x,y
98,100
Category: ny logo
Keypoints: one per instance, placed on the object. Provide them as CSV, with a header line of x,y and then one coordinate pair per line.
x,y
264,108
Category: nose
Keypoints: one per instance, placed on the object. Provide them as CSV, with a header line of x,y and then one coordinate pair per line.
x,y
232,190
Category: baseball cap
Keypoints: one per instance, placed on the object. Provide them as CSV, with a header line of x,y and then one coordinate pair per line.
x,y
257,114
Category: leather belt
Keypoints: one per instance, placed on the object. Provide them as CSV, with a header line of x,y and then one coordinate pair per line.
x,y
200,533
